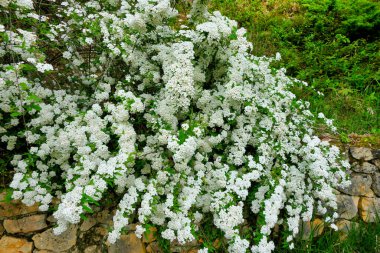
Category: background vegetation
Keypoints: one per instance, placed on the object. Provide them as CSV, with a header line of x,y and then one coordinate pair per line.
x,y
331,44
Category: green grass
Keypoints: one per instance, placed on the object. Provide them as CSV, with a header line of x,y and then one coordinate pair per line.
x,y
332,44
362,238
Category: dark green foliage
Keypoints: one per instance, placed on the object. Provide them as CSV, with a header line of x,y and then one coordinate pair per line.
x,y
331,44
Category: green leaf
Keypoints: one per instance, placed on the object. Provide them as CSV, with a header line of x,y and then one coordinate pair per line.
x,y
15,114
34,97
32,107
24,86
91,200
87,209
27,67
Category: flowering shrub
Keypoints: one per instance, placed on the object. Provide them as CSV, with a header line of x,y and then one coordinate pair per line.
x,y
174,116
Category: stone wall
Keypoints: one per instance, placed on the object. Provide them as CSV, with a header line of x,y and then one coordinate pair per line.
x,y
362,199
25,229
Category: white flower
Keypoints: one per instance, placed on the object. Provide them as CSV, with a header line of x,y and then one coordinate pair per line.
x,y
168,234
139,231
43,67
66,55
28,4
185,127
89,41
278,56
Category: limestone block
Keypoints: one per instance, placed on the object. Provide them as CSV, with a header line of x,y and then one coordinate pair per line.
x,y
10,244
360,186
314,227
361,153
345,226
376,183
369,208
14,208
347,206
87,224
127,244
364,168
26,225
47,240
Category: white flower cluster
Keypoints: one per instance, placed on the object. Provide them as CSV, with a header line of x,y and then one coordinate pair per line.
x,y
180,123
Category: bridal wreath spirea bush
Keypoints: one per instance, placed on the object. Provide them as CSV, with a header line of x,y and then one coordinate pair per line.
x,y
171,114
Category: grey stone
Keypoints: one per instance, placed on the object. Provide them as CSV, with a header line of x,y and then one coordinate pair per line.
x,y
376,153
56,243
345,226
347,206
377,163
376,183
364,168
87,224
360,186
309,228
361,153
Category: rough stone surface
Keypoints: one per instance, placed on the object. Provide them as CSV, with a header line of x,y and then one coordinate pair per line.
x,y
364,168
87,224
10,244
48,241
361,153
26,225
15,208
360,186
377,163
347,206
369,208
376,153
314,228
345,225
127,244
51,219
104,217
376,183
92,249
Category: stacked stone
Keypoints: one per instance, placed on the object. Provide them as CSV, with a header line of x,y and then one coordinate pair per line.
x,y
362,198
26,230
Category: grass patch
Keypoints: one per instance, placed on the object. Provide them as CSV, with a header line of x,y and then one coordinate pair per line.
x,y
333,45
364,237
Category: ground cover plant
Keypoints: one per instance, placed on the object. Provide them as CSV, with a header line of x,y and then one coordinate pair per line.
x,y
173,115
